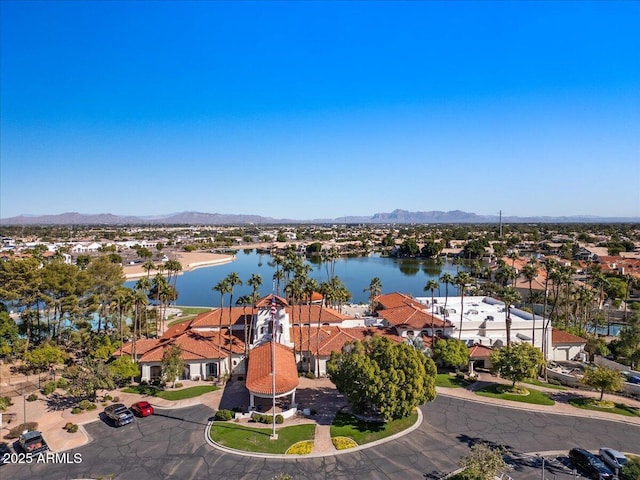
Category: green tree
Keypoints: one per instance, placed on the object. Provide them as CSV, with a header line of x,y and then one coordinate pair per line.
x,y
380,376
516,362
447,279
431,248
89,377
482,462
603,379
123,369
44,356
374,289
462,279
409,248
172,363
233,279
8,334
451,352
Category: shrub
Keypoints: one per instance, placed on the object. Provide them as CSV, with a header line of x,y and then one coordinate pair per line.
x,y
107,398
84,404
92,406
73,428
32,398
178,385
62,383
49,388
310,375
279,419
210,378
116,399
144,383
5,402
16,431
224,415
67,425
76,410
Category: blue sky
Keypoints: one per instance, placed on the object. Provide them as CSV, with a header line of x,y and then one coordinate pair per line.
x,y
320,109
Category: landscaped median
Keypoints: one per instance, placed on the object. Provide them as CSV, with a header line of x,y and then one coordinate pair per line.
x,y
360,432
524,395
172,395
258,440
605,406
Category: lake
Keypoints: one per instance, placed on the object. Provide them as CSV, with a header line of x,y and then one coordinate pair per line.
x,y
397,275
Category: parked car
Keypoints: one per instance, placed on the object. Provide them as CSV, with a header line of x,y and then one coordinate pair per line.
x,y
5,452
118,414
142,409
613,458
32,442
590,464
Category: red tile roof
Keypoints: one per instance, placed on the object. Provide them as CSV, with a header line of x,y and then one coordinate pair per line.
x,y
333,338
413,317
561,337
259,374
477,352
304,314
142,346
396,299
265,302
197,345
220,317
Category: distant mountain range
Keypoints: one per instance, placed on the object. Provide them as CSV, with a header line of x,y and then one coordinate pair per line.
x,y
200,218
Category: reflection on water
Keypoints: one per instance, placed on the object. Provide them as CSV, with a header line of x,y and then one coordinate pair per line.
x,y
401,275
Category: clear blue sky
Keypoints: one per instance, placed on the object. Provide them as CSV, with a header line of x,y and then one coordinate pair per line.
x,y
320,109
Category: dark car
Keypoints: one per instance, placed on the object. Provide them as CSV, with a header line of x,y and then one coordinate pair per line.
x,y
590,464
118,414
5,453
142,409
32,442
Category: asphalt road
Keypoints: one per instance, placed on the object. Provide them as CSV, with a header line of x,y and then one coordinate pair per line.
x,y
171,445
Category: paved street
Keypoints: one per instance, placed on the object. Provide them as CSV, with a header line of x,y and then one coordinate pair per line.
x,y
171,445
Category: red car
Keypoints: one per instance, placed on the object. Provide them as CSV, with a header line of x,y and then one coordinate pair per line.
x,y
142,409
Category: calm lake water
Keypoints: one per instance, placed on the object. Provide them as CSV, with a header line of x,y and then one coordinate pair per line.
x,y
397,275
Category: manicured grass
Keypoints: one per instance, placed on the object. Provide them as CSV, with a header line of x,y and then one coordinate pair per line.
x,y
241,437
496,390
171,394
450,381
538,383
620,408
346,425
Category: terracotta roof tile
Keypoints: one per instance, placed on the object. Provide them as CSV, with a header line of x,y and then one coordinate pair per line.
x,y
410,316
259,374
560,336
396,299
309,314
478,351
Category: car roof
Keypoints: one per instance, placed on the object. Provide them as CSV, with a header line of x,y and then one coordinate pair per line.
x,y
30,435
142,403
612,452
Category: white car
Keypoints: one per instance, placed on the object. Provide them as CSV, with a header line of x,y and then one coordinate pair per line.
x,y
613,458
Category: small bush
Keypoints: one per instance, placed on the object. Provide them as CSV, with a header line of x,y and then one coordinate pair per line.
x,y
71,427
279,419
67,425
178,385
224,415
210,378
76,410
32,398
5,402
16,431
92,406
62,383
84,404
300,448
116,399
342,443
310,375
49,388
107,398
144,383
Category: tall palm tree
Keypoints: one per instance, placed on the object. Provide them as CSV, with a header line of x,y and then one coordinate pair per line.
x,y
174,267
294,292
232,279
310,286
326,290
255,281
374,289
447,279
462,279
530,272
244,301
549,267
431,286
222,287
509,296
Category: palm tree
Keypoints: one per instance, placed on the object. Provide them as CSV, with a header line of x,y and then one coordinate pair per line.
x,y
173,268
254,282
509,296
221,287
310,286
447,279
232,279
140,300
148,266
326,289
462,279
294,292
374,289
530,272
431,286
244,301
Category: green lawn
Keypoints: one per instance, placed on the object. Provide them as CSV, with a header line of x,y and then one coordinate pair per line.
x,y
620,408
171,394
346,425
188,313
450,381
257,440
538,383
495,390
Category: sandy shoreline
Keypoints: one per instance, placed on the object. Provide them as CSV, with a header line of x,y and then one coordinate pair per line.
x,y
189,261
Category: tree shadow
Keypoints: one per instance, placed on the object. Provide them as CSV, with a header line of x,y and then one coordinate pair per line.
x,y
235,395
57,402
158,414
471,441
434,475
